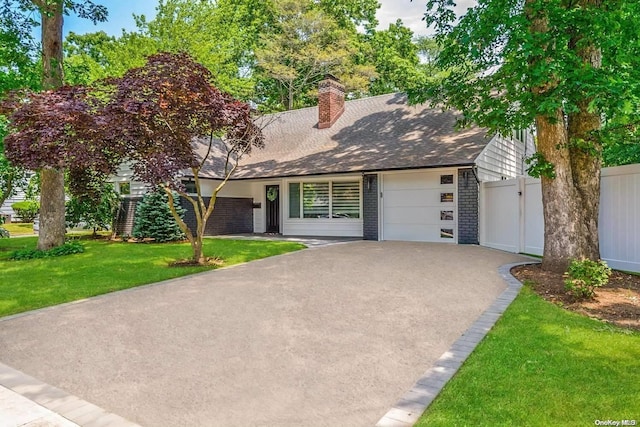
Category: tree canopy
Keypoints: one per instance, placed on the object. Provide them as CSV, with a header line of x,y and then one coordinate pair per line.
x,y
261,51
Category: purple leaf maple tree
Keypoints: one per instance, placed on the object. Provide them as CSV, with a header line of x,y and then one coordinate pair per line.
x,y
177,122
61,129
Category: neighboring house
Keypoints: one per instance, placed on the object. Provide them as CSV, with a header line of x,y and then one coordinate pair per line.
x,y
20,196
375,168
6,210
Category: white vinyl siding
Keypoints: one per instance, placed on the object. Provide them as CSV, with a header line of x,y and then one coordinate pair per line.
x,y
504,158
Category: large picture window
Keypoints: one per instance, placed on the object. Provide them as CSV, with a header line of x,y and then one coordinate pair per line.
x,y
339,199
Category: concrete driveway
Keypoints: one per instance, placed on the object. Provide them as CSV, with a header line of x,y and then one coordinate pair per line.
x,y
322,337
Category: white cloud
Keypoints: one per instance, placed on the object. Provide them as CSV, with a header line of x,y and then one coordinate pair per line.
x,y
411,13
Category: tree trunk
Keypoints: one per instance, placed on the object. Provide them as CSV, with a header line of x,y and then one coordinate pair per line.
x,y
198,255
559,204
52,74
290,98
52,225
586,165
52,229
585,149
570,201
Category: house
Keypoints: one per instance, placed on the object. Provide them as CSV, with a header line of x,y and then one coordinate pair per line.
x,y
375,168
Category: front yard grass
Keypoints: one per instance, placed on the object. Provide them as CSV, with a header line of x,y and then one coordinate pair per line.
x,y
108,266
542,366
19,228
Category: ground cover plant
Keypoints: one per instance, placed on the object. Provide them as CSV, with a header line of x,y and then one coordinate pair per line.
x,y
107,266
541,366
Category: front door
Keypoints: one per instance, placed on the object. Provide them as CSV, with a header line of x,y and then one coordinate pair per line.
x,y
273,208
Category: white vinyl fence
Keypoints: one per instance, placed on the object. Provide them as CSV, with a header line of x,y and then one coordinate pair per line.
x,y
511,216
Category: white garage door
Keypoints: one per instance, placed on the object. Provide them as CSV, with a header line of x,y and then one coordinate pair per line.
x,y
420,206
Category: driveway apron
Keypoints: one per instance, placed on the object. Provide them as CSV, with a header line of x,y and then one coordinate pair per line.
x,y
322,337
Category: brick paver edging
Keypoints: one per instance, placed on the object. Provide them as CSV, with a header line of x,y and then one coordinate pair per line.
x,y
59,401
407,411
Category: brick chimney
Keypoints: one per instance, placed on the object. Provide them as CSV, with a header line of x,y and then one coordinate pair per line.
x,y
330,101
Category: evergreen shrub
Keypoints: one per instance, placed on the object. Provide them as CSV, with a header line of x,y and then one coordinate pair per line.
x,y
154,219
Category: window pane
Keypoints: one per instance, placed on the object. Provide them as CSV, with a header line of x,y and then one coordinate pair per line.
x,y
346,200
446,233
446,179
294,200
315,200
446,215
190,187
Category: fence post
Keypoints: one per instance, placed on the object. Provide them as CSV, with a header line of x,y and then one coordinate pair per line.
x,y
520,188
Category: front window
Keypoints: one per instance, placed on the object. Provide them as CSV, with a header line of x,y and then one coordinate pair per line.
x,y
339,199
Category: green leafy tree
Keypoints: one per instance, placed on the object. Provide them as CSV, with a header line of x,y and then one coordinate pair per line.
x,y
306,45
352,13
395,57
258,50
95,210
87,57
18,70
155,220
571,68
221,35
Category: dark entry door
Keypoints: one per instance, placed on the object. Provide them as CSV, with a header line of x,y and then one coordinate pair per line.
x,y
273,208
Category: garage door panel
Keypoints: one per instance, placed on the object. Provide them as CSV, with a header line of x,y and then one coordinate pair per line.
x,y
424,215
412,181
413,210
415,233
424,197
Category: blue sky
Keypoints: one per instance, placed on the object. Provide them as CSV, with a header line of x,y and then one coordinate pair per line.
x,y
120,16
121,11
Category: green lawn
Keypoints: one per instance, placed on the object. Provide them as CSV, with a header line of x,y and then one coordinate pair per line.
x,y
543,366
19,228
108,266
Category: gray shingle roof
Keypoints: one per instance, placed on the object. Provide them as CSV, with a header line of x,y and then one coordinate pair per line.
x,y
377,133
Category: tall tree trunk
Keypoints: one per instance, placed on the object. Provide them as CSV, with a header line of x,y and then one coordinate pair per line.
x,y
561,209
585,148
290,95
52,225
51,209
568,199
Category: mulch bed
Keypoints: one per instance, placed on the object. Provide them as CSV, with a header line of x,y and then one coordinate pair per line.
x,y
618,302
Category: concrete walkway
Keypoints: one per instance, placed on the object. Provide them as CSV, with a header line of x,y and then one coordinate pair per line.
x,y
334,335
